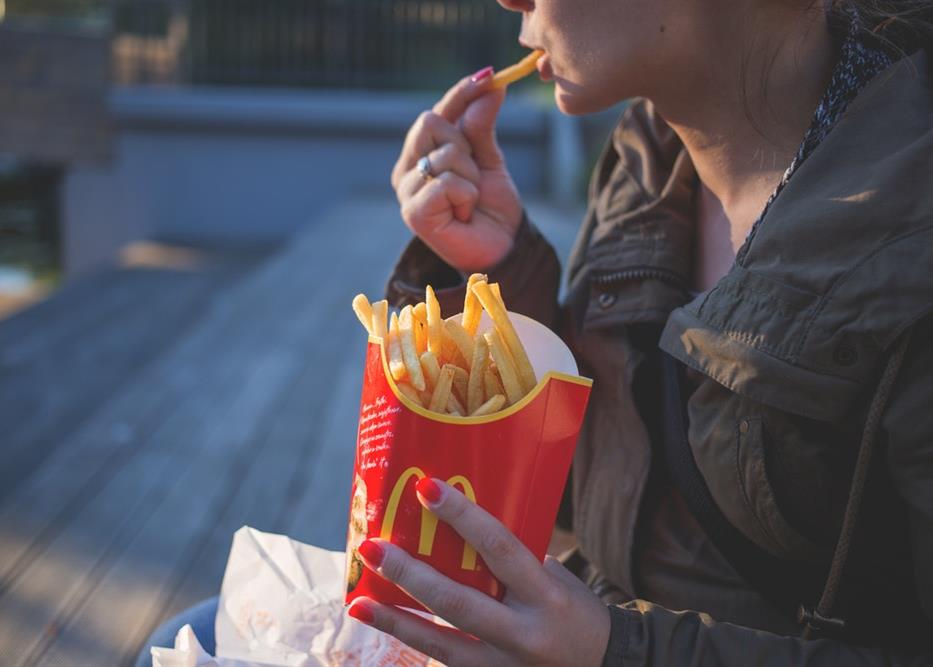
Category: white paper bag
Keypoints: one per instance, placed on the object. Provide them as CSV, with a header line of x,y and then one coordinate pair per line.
x,y
281,605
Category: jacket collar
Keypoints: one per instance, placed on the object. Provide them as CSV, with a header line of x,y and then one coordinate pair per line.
x,y
832,274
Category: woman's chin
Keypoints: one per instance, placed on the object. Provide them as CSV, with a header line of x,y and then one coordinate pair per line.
x,y
572,104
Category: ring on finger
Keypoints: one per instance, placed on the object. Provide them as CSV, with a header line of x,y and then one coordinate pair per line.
x,y
424,168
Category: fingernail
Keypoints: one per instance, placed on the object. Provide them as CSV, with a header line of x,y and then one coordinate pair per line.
x,y
484,73
361,612
372,552
429,490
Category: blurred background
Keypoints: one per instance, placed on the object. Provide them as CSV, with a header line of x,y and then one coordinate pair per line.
x,y
191,192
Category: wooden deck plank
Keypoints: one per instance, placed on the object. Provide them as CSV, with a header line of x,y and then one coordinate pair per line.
x,y
60,577
189,397
88,604
56,391
330,318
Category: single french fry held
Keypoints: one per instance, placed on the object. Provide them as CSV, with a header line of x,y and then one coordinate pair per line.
x,y
406,327
494,404
519,70
513,343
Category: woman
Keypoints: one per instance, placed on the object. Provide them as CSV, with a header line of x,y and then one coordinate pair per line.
x,y
773,251
783,256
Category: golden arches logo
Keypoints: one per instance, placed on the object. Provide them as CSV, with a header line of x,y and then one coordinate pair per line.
x,y
428,520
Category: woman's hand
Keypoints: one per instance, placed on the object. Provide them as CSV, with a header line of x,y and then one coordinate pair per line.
x,y
548,616
467,210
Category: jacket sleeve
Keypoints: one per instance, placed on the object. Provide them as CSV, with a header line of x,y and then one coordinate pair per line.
x,y
529,277
646,634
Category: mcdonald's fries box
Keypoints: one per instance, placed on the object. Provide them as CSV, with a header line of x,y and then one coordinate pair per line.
x,y
513,463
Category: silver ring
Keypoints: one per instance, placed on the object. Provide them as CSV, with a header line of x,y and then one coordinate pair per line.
x,y
424,168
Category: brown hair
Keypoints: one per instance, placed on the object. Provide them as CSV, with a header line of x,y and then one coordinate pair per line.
x,y
901,25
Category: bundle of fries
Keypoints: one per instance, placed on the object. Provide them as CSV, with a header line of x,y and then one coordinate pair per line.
x,y
448,366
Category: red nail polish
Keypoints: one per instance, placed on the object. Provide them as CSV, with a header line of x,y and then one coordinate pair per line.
x,y
361,612
429,490
484,73
372,552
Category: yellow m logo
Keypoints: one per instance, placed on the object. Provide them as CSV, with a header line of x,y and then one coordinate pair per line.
x,y
428,520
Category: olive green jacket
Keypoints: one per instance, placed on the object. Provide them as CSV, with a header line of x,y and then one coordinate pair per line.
x,y
786,350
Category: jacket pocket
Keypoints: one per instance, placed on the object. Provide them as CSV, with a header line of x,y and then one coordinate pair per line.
x,y
758,501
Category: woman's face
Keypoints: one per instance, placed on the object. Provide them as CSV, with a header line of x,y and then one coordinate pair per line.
x,y
599,52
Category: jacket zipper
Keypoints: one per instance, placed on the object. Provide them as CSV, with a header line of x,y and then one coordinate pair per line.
x,y
644,273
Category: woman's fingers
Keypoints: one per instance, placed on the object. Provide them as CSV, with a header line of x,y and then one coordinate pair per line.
x,y
429,132
446,645
471,611
508,559
439,199
446,158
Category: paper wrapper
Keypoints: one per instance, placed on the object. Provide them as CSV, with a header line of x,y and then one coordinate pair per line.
x,y
514,464
281,604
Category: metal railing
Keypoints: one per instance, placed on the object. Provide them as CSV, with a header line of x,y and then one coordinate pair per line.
x,y
382,44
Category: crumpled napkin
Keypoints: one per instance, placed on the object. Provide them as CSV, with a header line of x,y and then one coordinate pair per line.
x,y
281,605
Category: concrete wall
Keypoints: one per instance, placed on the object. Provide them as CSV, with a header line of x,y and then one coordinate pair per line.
x,y
246,166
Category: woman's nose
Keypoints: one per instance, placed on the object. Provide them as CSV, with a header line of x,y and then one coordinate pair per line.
x,y
518,5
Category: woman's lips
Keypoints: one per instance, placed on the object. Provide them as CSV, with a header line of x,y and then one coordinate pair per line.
x,y
544,68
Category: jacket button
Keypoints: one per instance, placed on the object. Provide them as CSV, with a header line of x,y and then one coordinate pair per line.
x,y
743,426
845,355
606,299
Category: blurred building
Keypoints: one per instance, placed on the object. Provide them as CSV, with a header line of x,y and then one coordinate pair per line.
x,y
236,121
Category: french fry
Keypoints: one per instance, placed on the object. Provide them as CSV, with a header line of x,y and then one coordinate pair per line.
x,y
491,382
431,368
394,349
461,339
420,313
441,394
513,343
406,327
435,323
445,365
477,373
519,70
507,372
364,311
498,293
455,407
461,380
494,404
450,352
410,392
380,319
472,309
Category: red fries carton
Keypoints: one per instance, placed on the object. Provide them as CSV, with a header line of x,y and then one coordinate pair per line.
x,y
513,463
